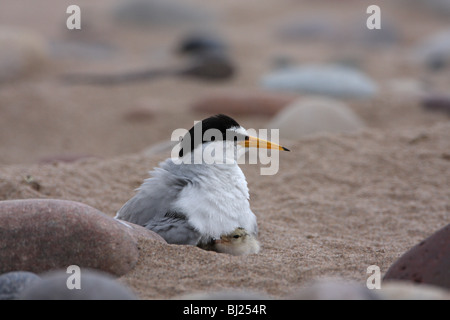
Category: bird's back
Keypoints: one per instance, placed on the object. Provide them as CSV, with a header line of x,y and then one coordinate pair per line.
x,y
155,196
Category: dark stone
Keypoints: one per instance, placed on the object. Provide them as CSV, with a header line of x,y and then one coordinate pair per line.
x,y
428,262
93,286
437,103
200,43
42,235
13,283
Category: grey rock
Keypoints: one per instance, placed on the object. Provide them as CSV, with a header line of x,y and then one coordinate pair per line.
x,y
13,283
333,290
335,81
329,29
434,51
405,290
160,13
93,286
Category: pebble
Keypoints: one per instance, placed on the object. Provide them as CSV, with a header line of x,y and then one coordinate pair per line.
x,y
434,51
13,283
332,31
404,290
333,290
243,103
427,263
439,103
22,53
93,286
197,43
38,235
308,116
329,80
161,13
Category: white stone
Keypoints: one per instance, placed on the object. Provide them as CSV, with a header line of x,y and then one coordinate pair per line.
x,y
335,81
315,115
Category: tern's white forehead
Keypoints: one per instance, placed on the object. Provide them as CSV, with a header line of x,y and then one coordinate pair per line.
x,y
239,130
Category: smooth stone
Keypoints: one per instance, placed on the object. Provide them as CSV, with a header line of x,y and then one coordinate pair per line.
x,y
387,35
440,103
22,53
328,29
403,290
243,103
434,51
160,13
40,235
428,262
308,116
333,290
13,283
329,80
94,285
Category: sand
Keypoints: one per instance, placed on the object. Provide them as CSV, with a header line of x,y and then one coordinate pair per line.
x,y
339,203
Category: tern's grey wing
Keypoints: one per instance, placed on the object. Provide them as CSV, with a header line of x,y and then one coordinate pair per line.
x,y
154,197
175,230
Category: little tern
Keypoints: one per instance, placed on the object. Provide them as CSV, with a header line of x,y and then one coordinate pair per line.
x,y
192,203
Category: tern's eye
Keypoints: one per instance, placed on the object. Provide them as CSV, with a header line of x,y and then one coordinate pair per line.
x,y
236,236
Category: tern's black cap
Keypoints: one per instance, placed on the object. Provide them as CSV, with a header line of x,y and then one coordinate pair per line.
x,y
218,122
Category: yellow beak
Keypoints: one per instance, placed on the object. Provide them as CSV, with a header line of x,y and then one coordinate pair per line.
x,y
254,142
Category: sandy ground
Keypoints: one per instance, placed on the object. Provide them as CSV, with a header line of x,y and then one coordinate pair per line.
x,y
339,203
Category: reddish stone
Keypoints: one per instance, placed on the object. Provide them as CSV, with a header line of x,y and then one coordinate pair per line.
x,y
244,103
42,235
437,103
428,262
